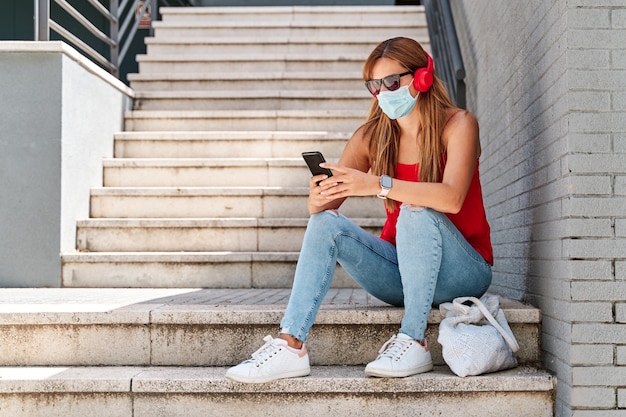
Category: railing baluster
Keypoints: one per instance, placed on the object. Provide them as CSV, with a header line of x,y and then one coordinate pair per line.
x,y
42,28
114,29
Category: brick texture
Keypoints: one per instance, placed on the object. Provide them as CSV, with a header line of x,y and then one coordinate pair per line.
x,y
547,81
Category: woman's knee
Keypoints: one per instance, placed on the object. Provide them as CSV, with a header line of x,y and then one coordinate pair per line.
x,y
417,218
327,220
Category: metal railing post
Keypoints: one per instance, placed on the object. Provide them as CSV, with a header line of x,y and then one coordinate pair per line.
x,y
114,34
154,14
42,17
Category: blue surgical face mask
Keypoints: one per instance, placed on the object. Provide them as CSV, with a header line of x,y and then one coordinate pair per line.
x,y
398,103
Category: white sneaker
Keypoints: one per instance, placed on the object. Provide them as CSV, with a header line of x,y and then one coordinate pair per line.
x,y
274,360
401,356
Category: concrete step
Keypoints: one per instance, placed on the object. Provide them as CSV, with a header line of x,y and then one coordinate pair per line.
x,y
205,327
338,15
225,144
220,81
361,45
197,235
302,30
328,391
206,172
185,270
197,202
357,98
248,120
253,62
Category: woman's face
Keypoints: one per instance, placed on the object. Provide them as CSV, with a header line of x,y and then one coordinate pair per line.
x,y
384,67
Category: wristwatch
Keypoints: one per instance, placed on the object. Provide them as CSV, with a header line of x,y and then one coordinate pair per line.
x,y
385,186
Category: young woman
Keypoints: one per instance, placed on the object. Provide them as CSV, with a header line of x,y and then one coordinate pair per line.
x,y
419,153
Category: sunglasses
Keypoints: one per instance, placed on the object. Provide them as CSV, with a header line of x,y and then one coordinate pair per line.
x,y
391,83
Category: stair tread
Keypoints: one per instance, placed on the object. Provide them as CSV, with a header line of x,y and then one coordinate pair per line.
x,y
239,114
291,24
233,135
203,306
270,40
260,75
359,92
200,257
200,191
350,9
204,162
329,379
250,57
211,222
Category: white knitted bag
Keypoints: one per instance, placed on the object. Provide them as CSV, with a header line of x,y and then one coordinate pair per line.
x,y
473,341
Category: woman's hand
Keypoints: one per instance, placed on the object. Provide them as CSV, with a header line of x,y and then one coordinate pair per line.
x,y
317,201
347,182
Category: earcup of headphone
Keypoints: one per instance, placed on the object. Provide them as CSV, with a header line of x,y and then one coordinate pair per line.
x,y
423,77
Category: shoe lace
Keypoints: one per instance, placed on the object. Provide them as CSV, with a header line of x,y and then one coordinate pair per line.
x,y
264,352
395,348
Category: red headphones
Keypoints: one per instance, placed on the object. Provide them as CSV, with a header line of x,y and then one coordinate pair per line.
x,y
423,77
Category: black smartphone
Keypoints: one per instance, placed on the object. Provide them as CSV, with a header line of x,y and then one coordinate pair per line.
x,y
313,159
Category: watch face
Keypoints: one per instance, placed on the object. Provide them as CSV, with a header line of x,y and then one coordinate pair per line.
x,y
385,181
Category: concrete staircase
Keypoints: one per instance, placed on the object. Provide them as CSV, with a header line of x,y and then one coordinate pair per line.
x,y
187,258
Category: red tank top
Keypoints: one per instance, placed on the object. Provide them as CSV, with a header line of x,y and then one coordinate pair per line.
x,y
471,220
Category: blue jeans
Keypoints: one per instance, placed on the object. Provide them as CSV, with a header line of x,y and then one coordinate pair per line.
x,y
431,263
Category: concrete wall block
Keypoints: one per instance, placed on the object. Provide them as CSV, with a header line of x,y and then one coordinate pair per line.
x,y
620,185
586,227
621,355
585,18
618,18
596,207
599,376
618,100
620,227
580,58
591,270
591,39
621,397
589,184
593,397
594,248
585,100
589,142
600,312
597,163
592,354
599,333
620,312
584,122
596,79
598,291
618,59
620,270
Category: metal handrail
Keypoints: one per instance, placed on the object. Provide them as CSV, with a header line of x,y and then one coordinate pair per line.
x,y
119,37
445,48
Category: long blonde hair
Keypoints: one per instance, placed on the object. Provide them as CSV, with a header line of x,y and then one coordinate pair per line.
x,y
384,133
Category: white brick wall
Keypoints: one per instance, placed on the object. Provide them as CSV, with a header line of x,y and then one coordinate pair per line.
x,y
547,81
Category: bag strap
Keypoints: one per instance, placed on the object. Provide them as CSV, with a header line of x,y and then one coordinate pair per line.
x,y
510,339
